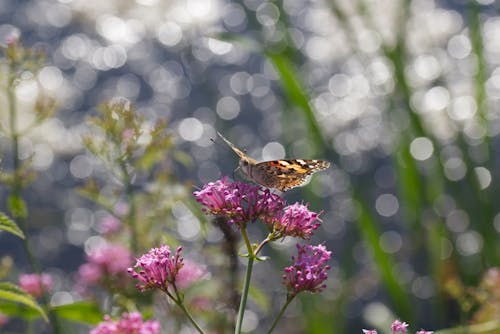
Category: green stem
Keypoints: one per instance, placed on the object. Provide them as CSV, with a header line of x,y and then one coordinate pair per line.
x,y
263,243
246,283
17,188
132,221
282,311
178,301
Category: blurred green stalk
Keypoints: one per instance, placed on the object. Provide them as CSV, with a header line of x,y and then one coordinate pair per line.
x,y
16,202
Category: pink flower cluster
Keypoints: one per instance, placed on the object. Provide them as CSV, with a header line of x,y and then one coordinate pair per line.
x,y
160,269
35,284
108,261
239,202
308,271
129,323
296,221
3,319
397,327
110,225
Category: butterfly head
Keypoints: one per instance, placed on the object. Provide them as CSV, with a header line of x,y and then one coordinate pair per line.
x,y
245,165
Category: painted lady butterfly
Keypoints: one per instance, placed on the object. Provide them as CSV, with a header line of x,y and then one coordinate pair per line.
x,y
279,174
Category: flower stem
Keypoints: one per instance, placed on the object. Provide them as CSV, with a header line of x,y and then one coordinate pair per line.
x,y
282,311
246,284
263,243
17,185
178,300
131,219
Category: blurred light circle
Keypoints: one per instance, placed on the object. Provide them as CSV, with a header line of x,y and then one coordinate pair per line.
x,y
258,85
114,56
423,287
319,49
61,298
391,242
147,2
50,77
43,156
267,14
339,85
228,108
455,169
58,15
234,16
199,8
238,83
219,47
496,222
469,243
421,148
250,321
427,67
128,86
459,46
81,167
483,177
27,90
387,205
75,47
474,130
273,151
436,98
463,108
369,40
189,227
457,221
190,129
169,34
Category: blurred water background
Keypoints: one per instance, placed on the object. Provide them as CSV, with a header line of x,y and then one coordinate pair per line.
x,y
401,96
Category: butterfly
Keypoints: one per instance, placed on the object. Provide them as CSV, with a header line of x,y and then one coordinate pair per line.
x,y
278,174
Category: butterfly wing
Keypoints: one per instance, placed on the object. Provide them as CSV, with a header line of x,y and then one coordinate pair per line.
x,y
286,174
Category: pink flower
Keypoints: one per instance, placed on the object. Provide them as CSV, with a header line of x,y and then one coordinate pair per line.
x,y
90,274
189,273
308,272
398,326
35,284
108,261
111,258
369,331
239,202
158,268
3,319
109,225
130,323
296,221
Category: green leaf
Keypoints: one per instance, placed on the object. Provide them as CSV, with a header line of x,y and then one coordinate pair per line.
x,y
14,310
294,87
15,294
83,311
17,207
9,225
385,264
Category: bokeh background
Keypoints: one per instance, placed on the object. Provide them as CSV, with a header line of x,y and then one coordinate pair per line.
x,y
401,96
